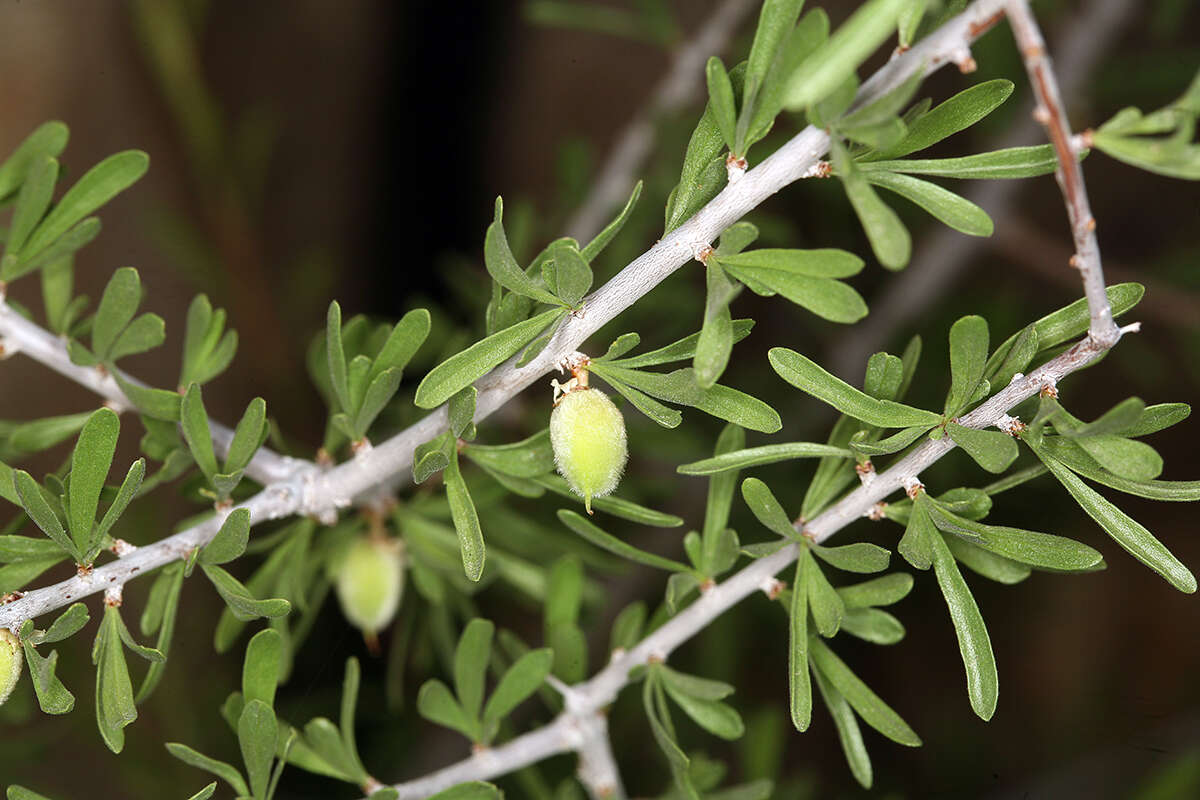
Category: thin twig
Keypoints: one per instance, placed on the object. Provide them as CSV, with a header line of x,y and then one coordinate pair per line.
x,y
1053,116
945,254
677,89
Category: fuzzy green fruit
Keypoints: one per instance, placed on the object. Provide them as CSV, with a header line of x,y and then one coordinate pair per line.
x,y
11,659
587,433
370,583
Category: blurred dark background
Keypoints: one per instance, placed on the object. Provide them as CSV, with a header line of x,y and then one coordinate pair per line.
x,y
304,150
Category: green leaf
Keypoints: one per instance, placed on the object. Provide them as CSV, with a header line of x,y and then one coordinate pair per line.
x,y
681,350
719,503
826,263
958,113
1125,458
32,202
973,639
995,451
602,539
527,458
125,494
230,541
703,173
1170,157
756,456
776,21
69,623
164,600
889,239
1074,457
90,463
627,627
715,344
335,355
155,403
502,265
261,669
226,772
1072,320
823,296
432,457
597,245
205,793
257,731
518,683
884,109
955,211
806,375
572,274
1126,531
241,603
248,435
475,790
714,716
617,506
462,369
654,702
194,422
877,592
71,241
824,603
461,410
52,696
470,665
656,411
97,186
861,557
872,625
988,564
873,710
968,356
146,332
402,343
114,693
350,684
436,704
720,98
48,139
761,501
693,686
1026,547
1011,359
848,731
1012,162
799,682
466,521
835,60
917,543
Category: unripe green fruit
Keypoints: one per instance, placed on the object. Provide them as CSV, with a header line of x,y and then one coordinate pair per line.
x,y
10,663
587,433
370,583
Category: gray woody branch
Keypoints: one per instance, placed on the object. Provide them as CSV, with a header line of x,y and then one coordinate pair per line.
x,y
308,490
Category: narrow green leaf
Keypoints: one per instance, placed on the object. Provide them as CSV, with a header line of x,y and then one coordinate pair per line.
x,y
876,713
806,375
90,463
890,240
952,209
664,734
52,696
680,350
402,343
877,592
194,422
628,626
573,276
986,563
715,344
527,458
461,410
466,520
48,139
1074,457
617,506
97,186
848,731
226,772
257,731
799,682
164,597
118,305
659,413
205,793
125,494
718,504
719,719
827,298
470,665
1126,531
114,693
756,456
474,790
462,369
155,403
703,174
761,501
1011,358
261,669
720,99
248,435
601,538
66,246
502,265
1026,547
861,557
242,604
973,640
518,683
872,625
824,603
702,688
822,263
32,202
958,113
968,356
335,355
1012,162
35,505
436,704
917,543
146,332
995,451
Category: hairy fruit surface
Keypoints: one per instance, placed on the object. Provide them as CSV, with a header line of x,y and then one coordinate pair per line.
x,y
10,663
371,583
587,433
